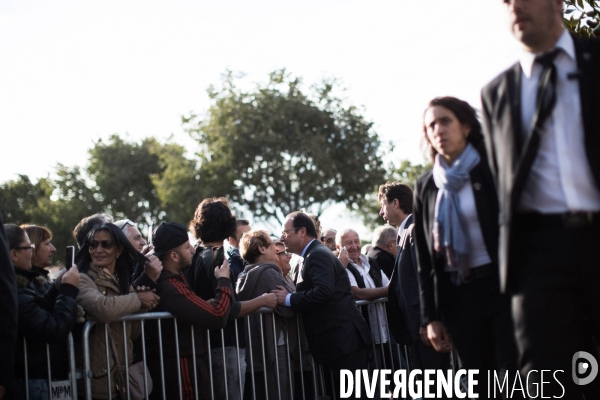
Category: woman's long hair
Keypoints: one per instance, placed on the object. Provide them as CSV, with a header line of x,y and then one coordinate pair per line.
x,y
466,114
126,261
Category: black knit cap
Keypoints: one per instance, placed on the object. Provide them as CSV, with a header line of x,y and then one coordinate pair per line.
x,y
168,236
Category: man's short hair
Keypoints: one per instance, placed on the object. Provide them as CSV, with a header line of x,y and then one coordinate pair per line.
x,y
213,221
250,243
383,235
242,222
301,220
87,224
338,236
397,190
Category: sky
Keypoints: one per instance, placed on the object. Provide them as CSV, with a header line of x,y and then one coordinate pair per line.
x,y
72,72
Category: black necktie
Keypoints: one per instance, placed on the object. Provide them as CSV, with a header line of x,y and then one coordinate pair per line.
x,y
544,105
546,89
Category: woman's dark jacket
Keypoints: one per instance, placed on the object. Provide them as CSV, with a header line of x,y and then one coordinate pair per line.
x,y
431,262
46,318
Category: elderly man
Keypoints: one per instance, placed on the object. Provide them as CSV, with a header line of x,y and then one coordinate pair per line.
x,y
384,248
543,134
328,238
336,331
368,282
147,274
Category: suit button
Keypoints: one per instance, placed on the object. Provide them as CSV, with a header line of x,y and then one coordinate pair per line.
x,y
477,186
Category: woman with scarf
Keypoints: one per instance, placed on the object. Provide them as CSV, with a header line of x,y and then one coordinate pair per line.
x,y
456,235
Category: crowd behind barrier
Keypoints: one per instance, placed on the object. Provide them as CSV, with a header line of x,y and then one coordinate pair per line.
x,y
296,375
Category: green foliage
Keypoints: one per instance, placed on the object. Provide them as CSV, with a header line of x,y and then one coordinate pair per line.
x,y
582,17
122,172
179,186
146,182
368,208
277,148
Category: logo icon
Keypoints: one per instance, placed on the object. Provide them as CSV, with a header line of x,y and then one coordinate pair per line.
x,y
584,364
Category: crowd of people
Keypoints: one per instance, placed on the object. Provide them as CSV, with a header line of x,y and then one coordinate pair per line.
x,y
492,255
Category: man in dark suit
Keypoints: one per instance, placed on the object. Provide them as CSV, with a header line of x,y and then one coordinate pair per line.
x,y
337,333
543,136
404,310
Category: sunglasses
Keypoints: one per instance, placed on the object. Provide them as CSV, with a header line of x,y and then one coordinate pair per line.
x,y
105,244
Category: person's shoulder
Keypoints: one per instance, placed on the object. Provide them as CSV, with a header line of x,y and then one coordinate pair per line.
x,y
424,178
500,79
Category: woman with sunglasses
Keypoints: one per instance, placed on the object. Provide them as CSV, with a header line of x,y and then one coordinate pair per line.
x,y
106,261
44,317
456,236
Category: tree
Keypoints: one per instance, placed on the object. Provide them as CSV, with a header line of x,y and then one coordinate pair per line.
x,y
582,17
368,208
122,172
179,186
20,198
279,148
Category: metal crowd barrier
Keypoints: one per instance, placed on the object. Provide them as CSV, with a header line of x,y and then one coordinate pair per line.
x,y
56,389
292,375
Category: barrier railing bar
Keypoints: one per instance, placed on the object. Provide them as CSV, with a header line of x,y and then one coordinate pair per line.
x,y
194,363
178,359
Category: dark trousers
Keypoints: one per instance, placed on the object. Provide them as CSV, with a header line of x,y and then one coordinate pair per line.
x,y
478,319
556,308
358,359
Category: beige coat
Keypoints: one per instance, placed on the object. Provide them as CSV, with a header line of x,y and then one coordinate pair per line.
x,y
99,296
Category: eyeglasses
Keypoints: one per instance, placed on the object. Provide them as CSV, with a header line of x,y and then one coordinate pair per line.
x,y
284,233
283,253
105,244
30,247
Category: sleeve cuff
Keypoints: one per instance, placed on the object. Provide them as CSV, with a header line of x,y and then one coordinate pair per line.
x,y
67,289
288,302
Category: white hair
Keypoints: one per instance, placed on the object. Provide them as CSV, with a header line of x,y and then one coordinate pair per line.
x,y
383,235
338,236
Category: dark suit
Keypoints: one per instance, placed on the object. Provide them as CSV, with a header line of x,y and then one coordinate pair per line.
x,y
501,100
476,314
384,259
333,323
337,333
404,310
553,270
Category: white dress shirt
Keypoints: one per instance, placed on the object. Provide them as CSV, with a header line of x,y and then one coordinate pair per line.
x,y
560,179
376,311
402,229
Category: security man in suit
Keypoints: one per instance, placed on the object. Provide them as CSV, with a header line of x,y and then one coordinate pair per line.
x,y
337,333
404,311
543,136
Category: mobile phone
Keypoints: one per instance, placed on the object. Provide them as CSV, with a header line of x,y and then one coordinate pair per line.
x,y
70,259
149,235
218,256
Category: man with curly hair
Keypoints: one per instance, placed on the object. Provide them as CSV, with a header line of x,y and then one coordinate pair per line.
x,y
213,222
